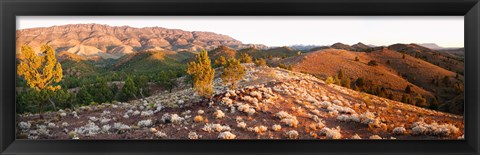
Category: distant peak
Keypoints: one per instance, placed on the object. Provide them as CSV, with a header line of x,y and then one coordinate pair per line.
x,y
430,45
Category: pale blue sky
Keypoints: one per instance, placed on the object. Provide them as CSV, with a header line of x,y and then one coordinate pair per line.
x,y
446,31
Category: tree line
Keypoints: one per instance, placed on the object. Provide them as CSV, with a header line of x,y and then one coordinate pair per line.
x,y
43,87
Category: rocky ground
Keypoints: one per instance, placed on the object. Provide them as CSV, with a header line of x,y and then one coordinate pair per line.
x,y
269,103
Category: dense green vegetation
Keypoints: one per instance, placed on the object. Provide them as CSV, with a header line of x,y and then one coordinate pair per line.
x,y
93,82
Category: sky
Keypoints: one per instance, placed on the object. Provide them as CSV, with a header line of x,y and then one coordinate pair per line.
x,y
445,31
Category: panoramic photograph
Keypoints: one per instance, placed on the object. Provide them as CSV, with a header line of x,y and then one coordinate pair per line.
x,y
240,77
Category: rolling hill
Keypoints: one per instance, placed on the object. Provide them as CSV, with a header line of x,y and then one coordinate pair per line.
x,y
393,71
147,62
437,58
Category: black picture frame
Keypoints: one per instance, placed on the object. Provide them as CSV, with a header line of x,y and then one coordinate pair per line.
x,y
9,9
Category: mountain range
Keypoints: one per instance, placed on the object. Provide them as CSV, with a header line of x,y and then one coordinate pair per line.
x,y
94,40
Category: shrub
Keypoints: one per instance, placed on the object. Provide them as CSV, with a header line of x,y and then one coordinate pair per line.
x,y
372,63
242,125
198,118
245,58
232,72
337,81
420,101
276,127
346,82
329,80
292,134
145,123
192,135
331,133
226,135
220,61
219,114
260,62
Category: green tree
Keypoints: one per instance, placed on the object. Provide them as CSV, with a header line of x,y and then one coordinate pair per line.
x,y
329,80
420,101
260,62
372,63
63,98
408,89
202,74
245,58
129,90
167,80
346,82
390,96
103,93
360,82
220,61
338,81
115,90
232,72
83,96
141,82
446,80
356,88
340,74
41,72
404,98
433,103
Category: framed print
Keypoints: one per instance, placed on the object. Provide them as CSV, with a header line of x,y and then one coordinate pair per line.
x,y
280,77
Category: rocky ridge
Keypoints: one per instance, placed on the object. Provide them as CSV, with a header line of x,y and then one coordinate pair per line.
x,y
95,40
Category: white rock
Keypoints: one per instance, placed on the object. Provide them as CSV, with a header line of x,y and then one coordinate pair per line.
x,y
399,130
375,137
356,136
